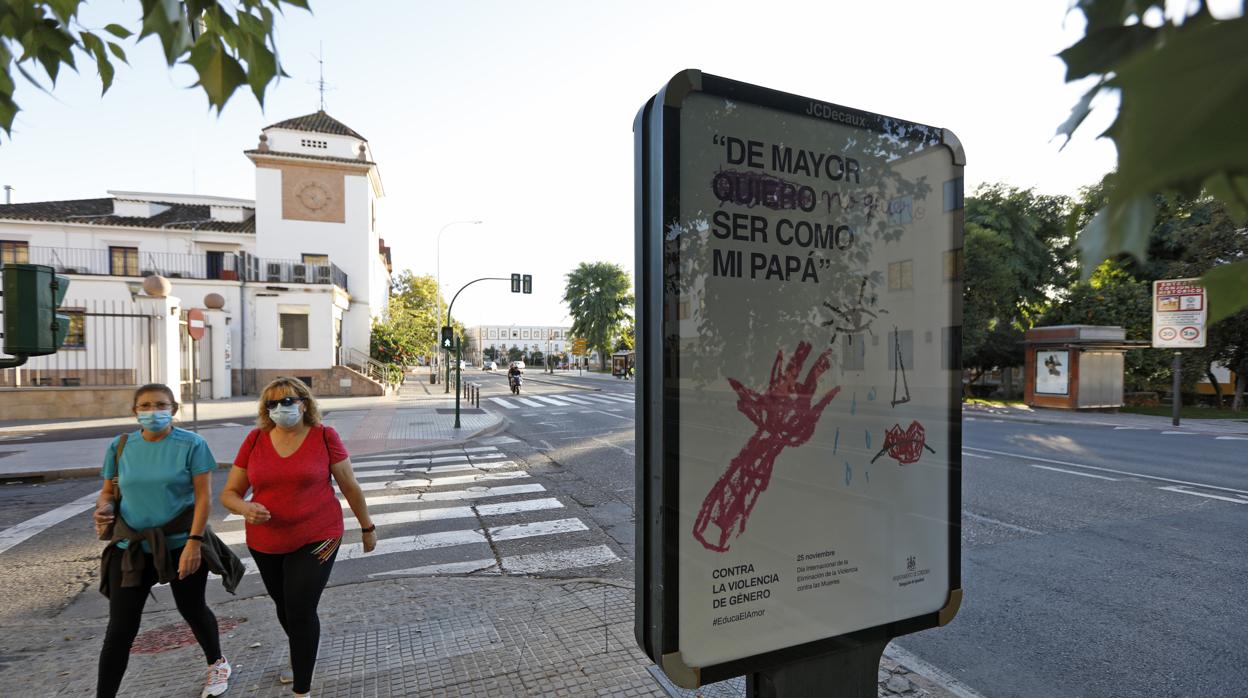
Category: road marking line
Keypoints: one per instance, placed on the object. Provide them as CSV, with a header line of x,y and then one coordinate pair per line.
x,y
1180,490
1232,438
478,492
972,455
436,482
518,564
487,465
620,398
1180,433
574,400
1133,428
395,518
528,402
447,539
1128,473
14,535
1073,472
551,400
599,399
504,403
994,522
422,464
452,451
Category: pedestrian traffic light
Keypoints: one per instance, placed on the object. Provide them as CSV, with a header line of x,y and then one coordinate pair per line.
x,y
527,281
448,337
32,293
515,283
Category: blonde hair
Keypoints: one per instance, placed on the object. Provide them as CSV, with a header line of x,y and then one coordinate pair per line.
x,y
287,385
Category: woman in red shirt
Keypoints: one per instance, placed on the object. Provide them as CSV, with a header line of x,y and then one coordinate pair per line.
x,y
294,519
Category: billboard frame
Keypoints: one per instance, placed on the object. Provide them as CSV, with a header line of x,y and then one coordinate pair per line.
x,y
657,203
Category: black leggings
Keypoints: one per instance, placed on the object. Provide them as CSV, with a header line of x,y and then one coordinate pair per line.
x,y
125,612
295,580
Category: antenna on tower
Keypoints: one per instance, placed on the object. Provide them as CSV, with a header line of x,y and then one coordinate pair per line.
x,y
320,83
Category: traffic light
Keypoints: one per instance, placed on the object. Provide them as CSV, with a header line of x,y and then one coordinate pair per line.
x,y
32,293
448,337
515,283
528,283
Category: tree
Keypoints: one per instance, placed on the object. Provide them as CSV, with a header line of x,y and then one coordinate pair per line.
x,y
599,296
628,337
1018,256
515,353
411,327
1182,82
227,44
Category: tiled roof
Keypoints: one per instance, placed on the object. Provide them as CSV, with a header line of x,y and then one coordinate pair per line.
x,y
100,212
306,156
320,122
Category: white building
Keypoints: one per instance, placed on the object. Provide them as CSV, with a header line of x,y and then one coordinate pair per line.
x,y
528,338
302,267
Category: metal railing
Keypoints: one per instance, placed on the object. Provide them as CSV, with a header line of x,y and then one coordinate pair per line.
x,y
174,265
390,375
109,344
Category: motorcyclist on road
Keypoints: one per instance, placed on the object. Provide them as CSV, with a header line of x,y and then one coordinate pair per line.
x,y
513,378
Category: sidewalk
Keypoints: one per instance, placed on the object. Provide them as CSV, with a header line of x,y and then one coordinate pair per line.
x,y
420,416
1041,415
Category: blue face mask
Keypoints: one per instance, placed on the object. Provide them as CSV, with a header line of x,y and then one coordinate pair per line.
x,y
286,417
156,420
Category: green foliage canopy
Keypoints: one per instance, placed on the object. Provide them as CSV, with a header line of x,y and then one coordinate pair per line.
x,y
228,44
599,297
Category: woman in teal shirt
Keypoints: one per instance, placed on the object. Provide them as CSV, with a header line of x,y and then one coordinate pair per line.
x,y
164,480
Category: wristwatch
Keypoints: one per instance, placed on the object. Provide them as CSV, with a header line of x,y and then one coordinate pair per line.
x,y
195,537
370,529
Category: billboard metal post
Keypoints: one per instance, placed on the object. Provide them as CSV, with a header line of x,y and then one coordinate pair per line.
x,y
798,295
1176,387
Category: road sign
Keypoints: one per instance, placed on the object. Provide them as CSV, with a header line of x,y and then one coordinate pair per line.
x,y
448,338
800,457
195,323
579,346
1180,312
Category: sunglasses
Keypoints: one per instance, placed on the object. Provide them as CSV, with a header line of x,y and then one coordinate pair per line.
x,y
284,402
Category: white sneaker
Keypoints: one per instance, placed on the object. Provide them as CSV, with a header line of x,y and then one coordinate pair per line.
x,y
218,679
287,675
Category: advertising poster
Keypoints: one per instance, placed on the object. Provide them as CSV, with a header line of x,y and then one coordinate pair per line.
x,y
1179,314
808,309
1053,372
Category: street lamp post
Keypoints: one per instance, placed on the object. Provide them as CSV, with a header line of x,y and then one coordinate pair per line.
x,y
447,386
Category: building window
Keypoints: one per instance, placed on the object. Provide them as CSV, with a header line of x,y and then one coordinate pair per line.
x,y
901,211
292,327
951,348
320,259
854,357
953,195
901,275
123,261
77,337
900,343
14,252
954,264
313,143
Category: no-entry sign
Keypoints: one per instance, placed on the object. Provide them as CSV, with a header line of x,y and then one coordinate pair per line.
x,y
799,310
195,323
1180,311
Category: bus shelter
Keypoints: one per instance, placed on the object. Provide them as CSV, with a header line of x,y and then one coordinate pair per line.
x,y
1075,366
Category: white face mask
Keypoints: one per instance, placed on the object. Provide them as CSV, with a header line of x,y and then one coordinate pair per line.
x,y
286,417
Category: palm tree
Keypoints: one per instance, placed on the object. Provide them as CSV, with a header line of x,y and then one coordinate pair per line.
x,y
600,298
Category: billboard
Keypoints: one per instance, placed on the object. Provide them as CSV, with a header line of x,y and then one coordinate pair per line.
x,y
799,427
1180,312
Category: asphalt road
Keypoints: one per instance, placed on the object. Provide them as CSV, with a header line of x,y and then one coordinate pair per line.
x,y
1099,562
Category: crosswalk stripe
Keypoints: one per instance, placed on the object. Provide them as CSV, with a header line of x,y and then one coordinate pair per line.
x,y
551,400
620,398
518,564
505,403
14,535
600,399
447,539
425,462
437,482
455,467
530,403
576,400
444,496
422,515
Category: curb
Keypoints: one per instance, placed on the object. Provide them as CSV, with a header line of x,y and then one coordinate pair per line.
x,y
1060,422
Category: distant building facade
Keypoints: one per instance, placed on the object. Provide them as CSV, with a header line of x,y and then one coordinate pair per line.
x,y
302,268
547,339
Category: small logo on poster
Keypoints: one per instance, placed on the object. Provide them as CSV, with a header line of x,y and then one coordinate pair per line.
x,y
910,564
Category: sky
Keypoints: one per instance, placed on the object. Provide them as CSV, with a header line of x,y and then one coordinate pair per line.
x,y
520,114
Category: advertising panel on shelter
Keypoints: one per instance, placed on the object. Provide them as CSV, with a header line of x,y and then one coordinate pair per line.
x,y
807,328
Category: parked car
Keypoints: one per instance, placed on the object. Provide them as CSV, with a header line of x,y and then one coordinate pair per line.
x,y
518,364
489,366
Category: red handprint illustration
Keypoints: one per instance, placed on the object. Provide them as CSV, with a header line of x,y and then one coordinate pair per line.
x,y
783,416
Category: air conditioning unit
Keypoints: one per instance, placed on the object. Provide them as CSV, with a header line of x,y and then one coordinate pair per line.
x,y
274,273
323,274
300,273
